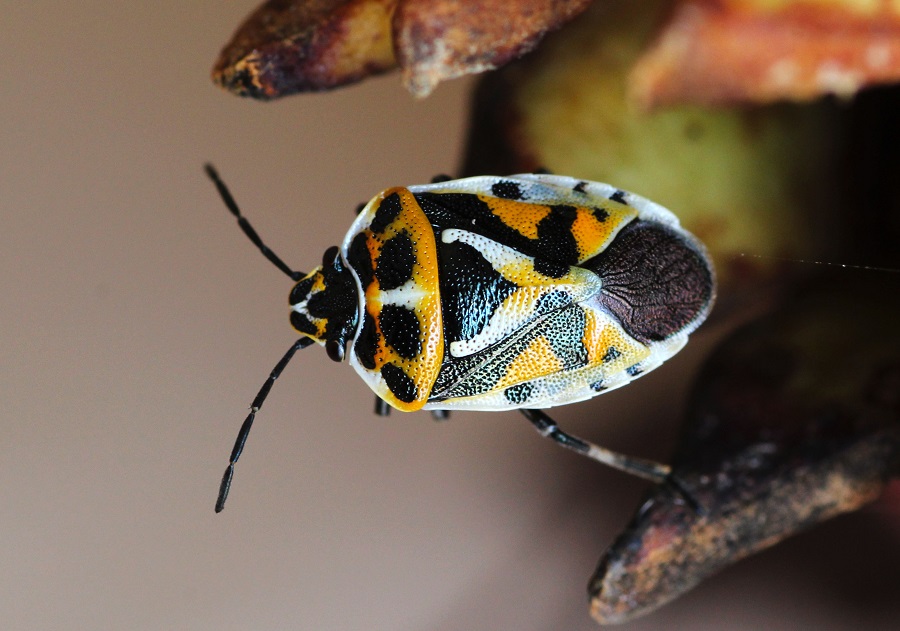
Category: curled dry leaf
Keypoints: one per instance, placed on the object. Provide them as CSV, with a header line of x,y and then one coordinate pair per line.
x,y
733,51
796,419
290,46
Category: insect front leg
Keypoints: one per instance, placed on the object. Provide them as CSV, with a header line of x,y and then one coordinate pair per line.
x,y
640,467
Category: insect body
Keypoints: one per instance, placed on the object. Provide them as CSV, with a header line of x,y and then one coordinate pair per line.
x,y
493,293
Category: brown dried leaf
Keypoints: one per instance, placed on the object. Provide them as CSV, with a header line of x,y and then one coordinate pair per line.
x,y
438,40
731,51
796,419
289,46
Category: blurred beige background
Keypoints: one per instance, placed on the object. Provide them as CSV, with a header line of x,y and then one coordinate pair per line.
x,y
138,323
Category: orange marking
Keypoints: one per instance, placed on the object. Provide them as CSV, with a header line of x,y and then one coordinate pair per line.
x,y
538,360
600,334
523,217
593,236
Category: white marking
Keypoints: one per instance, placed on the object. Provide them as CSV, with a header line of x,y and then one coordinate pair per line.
x,y
410,294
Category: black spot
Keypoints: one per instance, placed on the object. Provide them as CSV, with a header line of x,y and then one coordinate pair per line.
x,y
600,214
366,344
550,268
395,263
303,324
471,290
300,292
518,394
634,371
655,281
401,330
598,386
579,188
440,177
611,353
507,189
619,196
360,261
453,210
387,211
555,239
399,383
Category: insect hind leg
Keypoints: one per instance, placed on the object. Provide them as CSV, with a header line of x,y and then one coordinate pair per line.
x,y
647,469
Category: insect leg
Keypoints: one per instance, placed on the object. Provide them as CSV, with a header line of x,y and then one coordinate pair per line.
x,y
225,486
245,225
647,469
382,408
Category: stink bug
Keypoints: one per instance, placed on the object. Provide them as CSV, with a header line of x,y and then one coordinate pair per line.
x,y
498,293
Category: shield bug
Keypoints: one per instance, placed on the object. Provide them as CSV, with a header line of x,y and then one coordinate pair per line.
x,y
496,293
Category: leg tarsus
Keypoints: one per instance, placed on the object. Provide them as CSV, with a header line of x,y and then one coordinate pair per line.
x,y
647,469
677,486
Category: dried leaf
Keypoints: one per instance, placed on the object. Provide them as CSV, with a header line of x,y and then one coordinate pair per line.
x,y
438,40
289,46
737,51
796,419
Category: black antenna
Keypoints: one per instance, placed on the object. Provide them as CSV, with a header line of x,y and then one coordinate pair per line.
x,y
225,486
245,225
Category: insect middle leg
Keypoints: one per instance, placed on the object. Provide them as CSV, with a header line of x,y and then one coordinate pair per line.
x,y
383,409
647,469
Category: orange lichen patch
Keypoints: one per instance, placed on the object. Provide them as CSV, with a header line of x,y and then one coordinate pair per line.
x,y
728,51
436,40
289,46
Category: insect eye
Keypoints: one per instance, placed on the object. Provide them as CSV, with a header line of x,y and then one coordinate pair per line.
x,y
335,350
